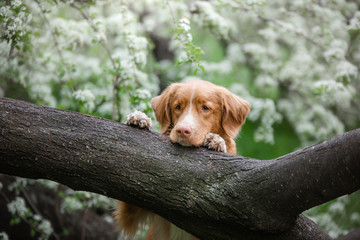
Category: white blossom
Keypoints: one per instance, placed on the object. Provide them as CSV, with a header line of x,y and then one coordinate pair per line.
x,y
209,18
337,207
355,217
254,49
18,207
49,184
16,3
4,236
263,110
136,43
269,34
334,53
332,92
37,218
355,22
100,33
346,70
143,93
235,54
18,185
138,47
184,24
84,95
265,82
71,204
223,67
45,228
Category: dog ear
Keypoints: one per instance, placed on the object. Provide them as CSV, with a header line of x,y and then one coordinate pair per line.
x,y
235,110
161,107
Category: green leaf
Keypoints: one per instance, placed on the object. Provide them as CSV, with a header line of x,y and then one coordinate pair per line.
x,y
32,232
62,73
15,220
195,72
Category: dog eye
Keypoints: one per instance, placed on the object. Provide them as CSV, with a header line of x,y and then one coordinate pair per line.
x,y
205,108
178,107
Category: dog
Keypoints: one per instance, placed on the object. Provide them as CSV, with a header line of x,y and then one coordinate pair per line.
x,y
192,113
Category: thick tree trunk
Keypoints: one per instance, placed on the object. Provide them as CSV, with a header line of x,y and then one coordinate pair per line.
x,y
212,195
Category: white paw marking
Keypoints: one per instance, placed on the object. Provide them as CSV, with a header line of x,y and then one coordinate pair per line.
x,y
139,119
215,142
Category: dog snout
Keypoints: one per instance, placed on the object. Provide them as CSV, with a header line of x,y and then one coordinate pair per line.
x,y
183,131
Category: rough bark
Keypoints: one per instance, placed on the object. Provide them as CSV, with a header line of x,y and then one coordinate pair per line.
x,y
212,195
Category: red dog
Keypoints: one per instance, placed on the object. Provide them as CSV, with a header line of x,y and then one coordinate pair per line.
x,y
193,113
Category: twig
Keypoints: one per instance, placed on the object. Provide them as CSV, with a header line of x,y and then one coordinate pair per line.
x,y
130,52
298,33
108,53
55,40
171,12
83,229
4,196
114,100
353,38
24,218
31,203
279,23
190,56
95,29
36,210
11,51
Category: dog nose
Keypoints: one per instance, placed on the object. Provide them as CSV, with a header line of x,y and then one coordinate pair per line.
x,y
183,131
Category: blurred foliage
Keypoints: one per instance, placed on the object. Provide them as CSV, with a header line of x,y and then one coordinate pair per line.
x,y
338,216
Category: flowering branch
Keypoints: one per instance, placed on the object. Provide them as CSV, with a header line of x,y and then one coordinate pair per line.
x,y
193,52
115,99
53,35
294,30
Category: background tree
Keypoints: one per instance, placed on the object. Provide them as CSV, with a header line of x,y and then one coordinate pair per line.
x,y
296,62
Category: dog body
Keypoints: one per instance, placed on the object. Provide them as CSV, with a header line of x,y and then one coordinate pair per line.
x,y
192,113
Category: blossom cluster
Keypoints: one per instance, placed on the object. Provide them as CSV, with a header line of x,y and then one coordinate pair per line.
x,y
20,212
328,215
17,207
85,97
79,200
191,53
13,19
208,17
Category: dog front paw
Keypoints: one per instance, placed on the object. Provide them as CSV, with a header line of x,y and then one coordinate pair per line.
x,y
139,119
215,142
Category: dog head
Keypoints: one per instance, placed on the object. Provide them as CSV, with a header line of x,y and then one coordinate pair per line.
x,y
188,111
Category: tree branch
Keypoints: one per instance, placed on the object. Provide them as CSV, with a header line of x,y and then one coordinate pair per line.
x,y
353,235
212,195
